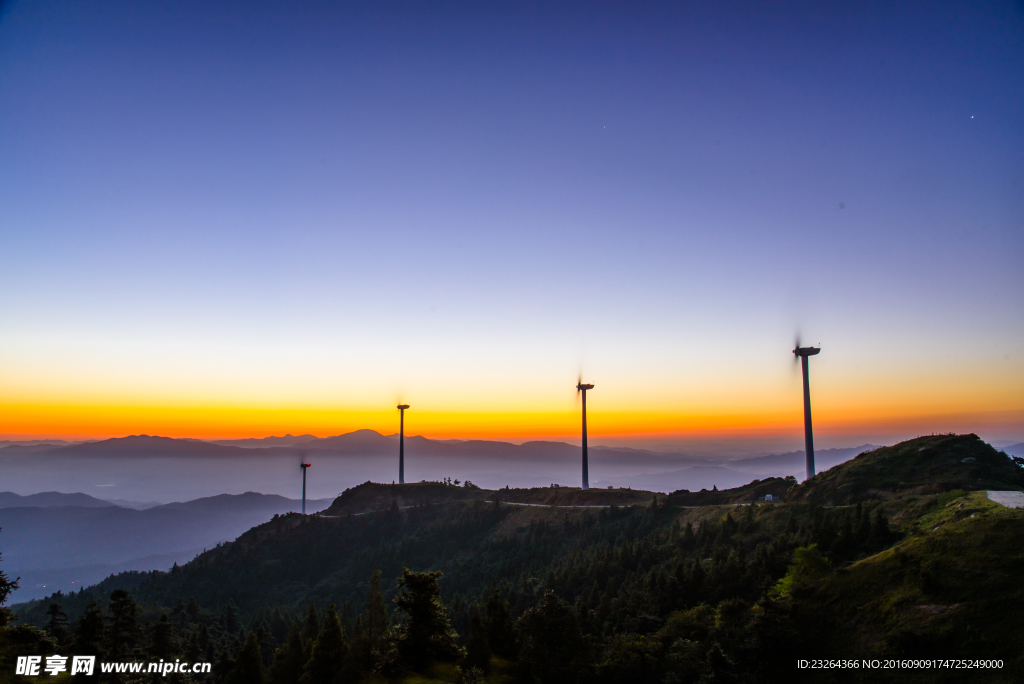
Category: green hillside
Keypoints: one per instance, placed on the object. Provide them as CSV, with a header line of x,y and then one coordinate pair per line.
x,y
663,591
951,590
924,465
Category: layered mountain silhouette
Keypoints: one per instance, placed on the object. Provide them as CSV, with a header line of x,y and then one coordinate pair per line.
x,y
52,544
151,468
50,500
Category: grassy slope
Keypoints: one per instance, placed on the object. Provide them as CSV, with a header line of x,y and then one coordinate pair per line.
x,y
923,465
952,590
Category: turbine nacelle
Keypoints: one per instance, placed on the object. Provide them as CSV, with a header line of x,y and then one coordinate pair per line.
x,y
402,407
806,351
584,388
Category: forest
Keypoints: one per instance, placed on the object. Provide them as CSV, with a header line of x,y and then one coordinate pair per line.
x,y
475,589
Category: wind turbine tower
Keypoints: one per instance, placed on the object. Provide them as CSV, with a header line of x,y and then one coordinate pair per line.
x,y
802,353
580,387
304,466
401,443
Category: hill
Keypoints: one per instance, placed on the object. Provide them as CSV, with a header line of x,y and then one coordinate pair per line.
x,y
792,462
148,468
931,464
932,594
748,493
371,496
666,590
49,500
253,443
143,446
1015,449
65,547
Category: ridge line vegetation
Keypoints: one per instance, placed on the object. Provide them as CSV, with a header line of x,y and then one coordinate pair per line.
x,y
469,589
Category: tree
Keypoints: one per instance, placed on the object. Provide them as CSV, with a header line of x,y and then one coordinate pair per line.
x,y
478,652
631,658
122,636
165,643
880,532
6,585
501,628
89,631
372,625
310,628
192,609
289,660
229,617
18,640
248,668
426,634
808,565
554,649
194,649
327,663
57,625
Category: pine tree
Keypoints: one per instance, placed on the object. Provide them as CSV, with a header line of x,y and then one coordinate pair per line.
x,y
426,634
478,652
248,667
57,625
165,643
346,619
554,649
327,663
193,649
688,537
310,628
123,633
501,628
880,532
289,660
6,586
89,631
279,626
372,624
229,617
192,609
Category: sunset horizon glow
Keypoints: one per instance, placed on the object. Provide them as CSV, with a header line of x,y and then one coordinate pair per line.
x,y
222,220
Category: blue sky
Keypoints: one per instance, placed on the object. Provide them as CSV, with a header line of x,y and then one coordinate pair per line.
x,y
326,208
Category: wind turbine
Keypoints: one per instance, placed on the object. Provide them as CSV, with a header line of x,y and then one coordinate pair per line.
x,y
304,465
580,387
802,353
401,443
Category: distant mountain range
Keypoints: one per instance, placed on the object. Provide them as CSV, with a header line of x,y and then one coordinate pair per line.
x,y
149,468
50,500
55,540
736,473
252,443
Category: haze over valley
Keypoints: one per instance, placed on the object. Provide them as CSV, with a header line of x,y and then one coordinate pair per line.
x,y
143,468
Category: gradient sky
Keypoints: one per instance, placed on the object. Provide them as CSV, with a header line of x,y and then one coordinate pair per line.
x,y
247,219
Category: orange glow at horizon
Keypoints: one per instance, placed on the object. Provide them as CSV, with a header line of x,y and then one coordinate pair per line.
x,y
19,421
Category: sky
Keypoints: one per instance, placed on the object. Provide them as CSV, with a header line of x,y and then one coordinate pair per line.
x,y
236,220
